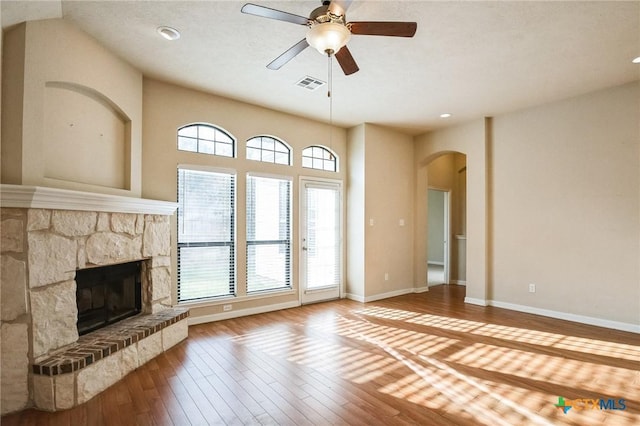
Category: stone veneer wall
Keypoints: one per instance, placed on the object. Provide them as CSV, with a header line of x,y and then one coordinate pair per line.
x,y
40,252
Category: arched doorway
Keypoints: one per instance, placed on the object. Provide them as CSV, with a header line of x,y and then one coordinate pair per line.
x,y
473,140
446,219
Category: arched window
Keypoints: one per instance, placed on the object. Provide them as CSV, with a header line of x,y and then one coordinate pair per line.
x,y
206,139
269,150
317,157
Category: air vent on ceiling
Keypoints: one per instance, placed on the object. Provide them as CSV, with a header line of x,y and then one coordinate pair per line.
x,y
310,83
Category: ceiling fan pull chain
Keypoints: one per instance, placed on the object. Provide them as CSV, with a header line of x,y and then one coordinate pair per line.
x,y
330,77
329,94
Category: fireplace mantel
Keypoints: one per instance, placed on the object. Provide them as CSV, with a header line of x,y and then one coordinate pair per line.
x,y
41,197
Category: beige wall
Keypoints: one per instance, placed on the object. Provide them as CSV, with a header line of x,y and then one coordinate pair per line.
x,y
459,222
168,107
441,172
553,199
12,104
1,54
68,101
436,229
382,159
565,211
356,244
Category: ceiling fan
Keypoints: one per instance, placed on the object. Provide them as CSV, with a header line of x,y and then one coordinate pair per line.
x,y
329,31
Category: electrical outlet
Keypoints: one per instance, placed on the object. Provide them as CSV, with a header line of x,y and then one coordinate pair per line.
x,y
532,288
226,308
386,276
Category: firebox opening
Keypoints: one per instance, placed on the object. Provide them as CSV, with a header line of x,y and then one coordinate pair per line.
x,y
107,294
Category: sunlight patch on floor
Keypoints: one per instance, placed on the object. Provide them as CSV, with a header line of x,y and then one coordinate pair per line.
x,y
541,367
462,392
350,363
444,386
556,340
435,372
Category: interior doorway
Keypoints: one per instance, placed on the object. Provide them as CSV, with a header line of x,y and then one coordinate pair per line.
x,y
438,254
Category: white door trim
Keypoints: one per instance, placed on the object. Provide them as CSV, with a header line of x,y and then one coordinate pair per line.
x,y
319,294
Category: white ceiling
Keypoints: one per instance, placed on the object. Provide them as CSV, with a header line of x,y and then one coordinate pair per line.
x,y
471,59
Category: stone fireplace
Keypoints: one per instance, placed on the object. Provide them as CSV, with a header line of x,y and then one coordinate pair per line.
x,y
51,238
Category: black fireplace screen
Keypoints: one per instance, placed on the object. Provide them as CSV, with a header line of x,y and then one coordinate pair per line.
x,y
107,294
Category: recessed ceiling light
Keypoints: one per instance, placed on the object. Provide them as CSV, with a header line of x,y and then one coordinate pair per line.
x,y
636,60
169,33
445,115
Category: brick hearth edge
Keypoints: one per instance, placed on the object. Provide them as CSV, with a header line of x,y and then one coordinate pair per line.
x,y
98,360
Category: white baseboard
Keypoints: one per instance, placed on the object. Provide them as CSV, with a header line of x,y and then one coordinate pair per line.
x,y
616,325
599,322
354,297
388,295
242,312
381,296
474,301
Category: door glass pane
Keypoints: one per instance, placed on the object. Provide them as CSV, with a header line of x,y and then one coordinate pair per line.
x,y
323,238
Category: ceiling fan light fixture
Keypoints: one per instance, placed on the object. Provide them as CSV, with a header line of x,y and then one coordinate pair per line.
x,y
636,60
328,37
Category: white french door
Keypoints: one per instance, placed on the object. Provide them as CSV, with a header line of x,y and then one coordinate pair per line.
x,y
321,245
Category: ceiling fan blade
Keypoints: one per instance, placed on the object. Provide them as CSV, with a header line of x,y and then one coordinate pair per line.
x,y
266,12
393,29
339,7
291,53
346,61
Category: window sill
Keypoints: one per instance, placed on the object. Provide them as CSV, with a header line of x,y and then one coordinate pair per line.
x,y
222,300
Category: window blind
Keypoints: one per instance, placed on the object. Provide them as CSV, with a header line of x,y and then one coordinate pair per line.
x,y
206,240
268,233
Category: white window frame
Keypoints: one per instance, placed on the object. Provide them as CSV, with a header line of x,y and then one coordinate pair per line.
x,y
325,149
216,143
262,150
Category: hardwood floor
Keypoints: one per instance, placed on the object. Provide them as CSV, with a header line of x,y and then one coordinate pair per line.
x,y
425,359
